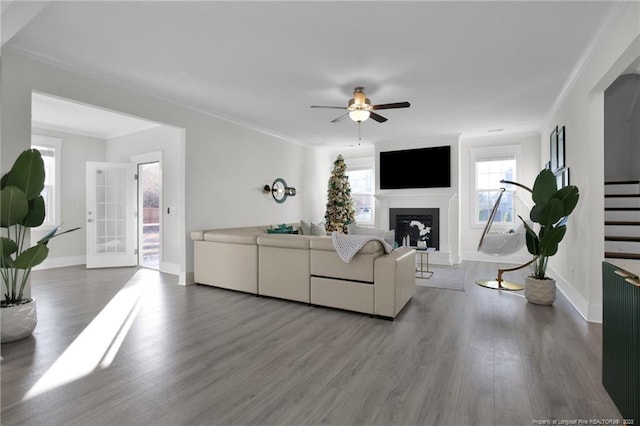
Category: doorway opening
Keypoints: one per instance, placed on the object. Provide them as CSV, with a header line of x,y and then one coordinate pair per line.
x,y
94,138
149,214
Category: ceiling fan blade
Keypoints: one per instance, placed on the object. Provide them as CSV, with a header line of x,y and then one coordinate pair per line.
x,y
391,106
342,117
332,107
377,117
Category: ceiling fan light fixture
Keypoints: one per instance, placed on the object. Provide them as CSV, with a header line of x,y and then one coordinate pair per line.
x,y
359,108
359,97
359,115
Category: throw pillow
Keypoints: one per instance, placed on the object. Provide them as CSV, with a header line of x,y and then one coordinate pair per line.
x,y
318,229
306,227
390,237
282,229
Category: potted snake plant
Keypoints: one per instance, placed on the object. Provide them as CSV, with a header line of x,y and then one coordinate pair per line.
x,y
551,210
21,207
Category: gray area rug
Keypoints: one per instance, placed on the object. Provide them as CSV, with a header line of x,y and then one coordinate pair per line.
x,y
446,277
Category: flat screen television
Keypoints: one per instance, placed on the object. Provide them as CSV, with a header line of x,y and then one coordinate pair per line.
x,y
416,168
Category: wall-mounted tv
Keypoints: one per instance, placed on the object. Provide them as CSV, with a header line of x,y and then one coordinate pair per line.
x,y
416,168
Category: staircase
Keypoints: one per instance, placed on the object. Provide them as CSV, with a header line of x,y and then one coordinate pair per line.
x,y
622,220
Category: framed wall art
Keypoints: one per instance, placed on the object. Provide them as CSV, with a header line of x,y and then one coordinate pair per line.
x,y
553,144
561,139
562,177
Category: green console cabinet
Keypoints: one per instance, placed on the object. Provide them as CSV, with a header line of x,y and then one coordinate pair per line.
x,y
621,339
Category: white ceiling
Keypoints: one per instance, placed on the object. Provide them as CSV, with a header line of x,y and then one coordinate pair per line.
x,y
465,67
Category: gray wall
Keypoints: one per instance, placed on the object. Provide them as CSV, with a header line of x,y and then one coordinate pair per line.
x,y
622,129
527,168
70,249
577,267
167,140
224,165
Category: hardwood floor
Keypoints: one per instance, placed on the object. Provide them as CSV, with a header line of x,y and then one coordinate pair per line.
x,y
199,355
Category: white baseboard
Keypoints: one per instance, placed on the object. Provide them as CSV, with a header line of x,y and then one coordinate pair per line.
x,y
591,312
595,313
186,278
575,298
61,262
170,268
516,259
436,258
439,258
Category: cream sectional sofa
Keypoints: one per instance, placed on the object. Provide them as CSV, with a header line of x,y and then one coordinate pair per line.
x,y
305,269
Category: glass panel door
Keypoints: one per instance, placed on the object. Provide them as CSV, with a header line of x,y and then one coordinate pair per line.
x,y
110,215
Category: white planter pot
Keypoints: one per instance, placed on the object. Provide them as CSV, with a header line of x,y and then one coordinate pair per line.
x,y
540,292
17,322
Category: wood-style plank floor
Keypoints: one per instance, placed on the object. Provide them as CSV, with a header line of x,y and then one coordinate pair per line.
x,y
156,353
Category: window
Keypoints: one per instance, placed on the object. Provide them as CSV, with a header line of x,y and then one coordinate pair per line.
x,y
361,180
489,170
50,149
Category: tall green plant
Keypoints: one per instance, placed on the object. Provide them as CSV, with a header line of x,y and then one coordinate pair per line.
x,y
22,207
551,210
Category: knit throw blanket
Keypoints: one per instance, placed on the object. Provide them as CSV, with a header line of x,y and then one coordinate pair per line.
x,y
348,245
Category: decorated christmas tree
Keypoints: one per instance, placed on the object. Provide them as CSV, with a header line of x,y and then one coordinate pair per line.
x,y
340,211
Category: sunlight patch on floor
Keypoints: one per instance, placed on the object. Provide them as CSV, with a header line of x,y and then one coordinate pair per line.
x,y
97,345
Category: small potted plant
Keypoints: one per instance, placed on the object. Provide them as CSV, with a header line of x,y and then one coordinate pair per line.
x,y
423,236
21,207
551,210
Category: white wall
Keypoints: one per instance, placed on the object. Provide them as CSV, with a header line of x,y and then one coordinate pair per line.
x,y
578,265
527,168
446,199
168,140
315,180
70,249
225,165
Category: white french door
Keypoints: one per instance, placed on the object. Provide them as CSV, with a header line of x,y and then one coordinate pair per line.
x,y
110,215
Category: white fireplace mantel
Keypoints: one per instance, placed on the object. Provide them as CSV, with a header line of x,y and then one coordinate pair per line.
x,y
445,200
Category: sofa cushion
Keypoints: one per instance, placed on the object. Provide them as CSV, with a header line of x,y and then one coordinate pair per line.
x,y
197,235
342,294
294,241
348,246
232,266
388,236
326,244
283,266
325,261
233,236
